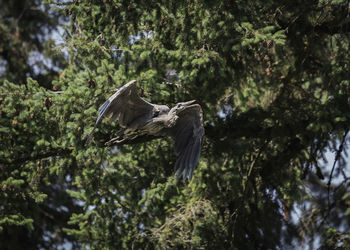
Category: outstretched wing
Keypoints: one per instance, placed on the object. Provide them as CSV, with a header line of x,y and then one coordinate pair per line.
x,y
124,106
189,133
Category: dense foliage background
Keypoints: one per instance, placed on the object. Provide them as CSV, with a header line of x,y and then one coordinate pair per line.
x,y
273,81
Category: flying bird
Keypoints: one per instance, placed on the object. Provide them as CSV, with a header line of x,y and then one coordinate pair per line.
x,y
139,118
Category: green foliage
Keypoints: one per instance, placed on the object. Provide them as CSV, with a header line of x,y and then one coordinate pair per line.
x,y
272,79
25,49
335,240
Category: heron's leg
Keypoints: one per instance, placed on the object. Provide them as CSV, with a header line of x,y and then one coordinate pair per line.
x,y
119,138
126,134
115,140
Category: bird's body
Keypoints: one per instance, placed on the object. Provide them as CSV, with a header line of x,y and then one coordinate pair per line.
x,y
140,118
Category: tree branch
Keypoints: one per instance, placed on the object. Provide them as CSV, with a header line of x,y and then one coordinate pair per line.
x,y
337,157
51,153
332,30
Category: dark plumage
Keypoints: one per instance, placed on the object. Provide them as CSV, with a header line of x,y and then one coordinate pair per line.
x,y
140,118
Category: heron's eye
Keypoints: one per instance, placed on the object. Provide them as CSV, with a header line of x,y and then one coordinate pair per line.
x,y
156,113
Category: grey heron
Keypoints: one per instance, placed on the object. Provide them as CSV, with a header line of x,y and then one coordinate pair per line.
x,y
140,118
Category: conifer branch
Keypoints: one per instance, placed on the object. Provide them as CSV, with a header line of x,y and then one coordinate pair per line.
x,y
39,156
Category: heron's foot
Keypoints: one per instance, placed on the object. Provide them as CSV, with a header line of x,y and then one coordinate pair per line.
x,y
123,136
115,140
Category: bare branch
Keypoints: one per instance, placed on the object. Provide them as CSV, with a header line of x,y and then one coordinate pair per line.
x,y
337,157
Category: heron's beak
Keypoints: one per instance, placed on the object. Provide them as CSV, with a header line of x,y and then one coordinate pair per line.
x,y
187,104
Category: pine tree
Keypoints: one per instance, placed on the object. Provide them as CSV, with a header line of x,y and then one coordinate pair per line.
x,y
272,78
26,46
34,205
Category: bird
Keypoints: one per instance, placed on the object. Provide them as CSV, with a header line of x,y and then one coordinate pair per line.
x,y
142,119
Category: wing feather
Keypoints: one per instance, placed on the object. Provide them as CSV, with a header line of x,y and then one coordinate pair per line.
x,y
189,133
188,161
180,164
124,106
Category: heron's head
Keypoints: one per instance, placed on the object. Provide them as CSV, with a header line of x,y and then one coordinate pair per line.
x,y
179,107
163,109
